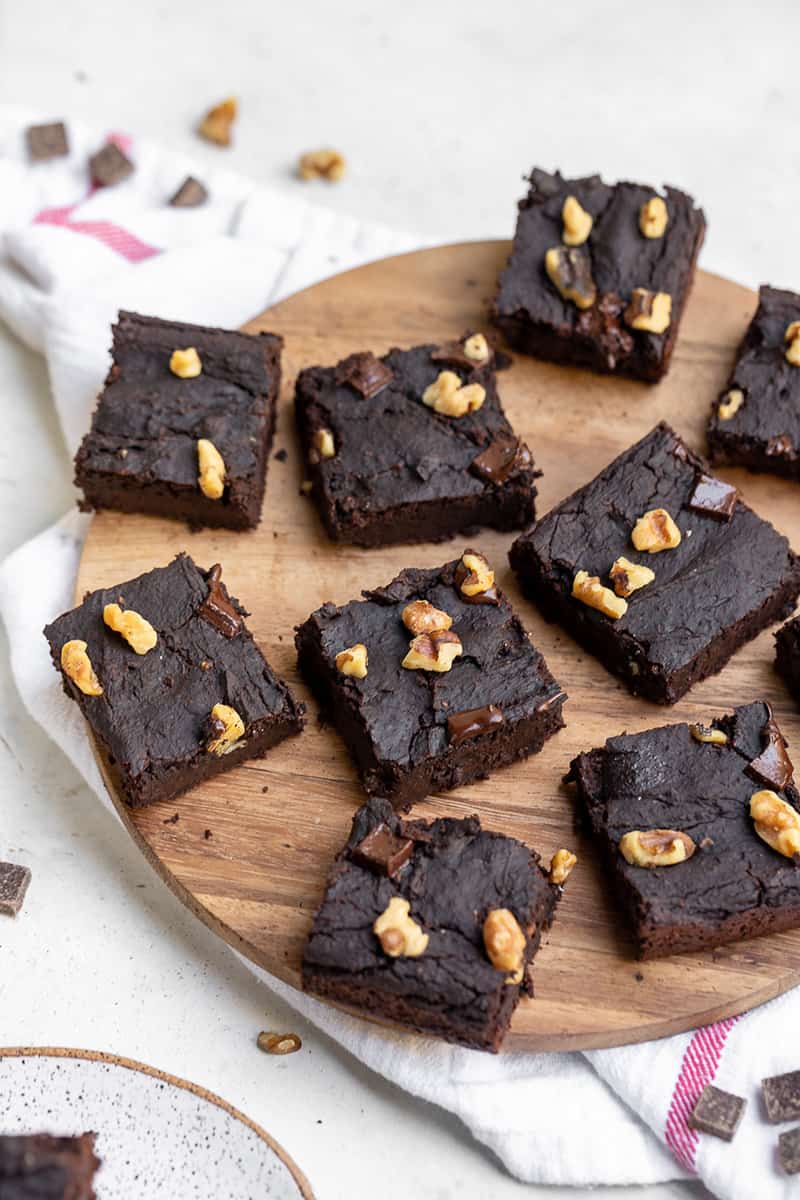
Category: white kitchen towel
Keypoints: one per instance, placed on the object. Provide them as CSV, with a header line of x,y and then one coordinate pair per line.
x,y
71,257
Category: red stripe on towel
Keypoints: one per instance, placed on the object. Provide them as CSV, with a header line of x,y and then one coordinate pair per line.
x,y
699,1067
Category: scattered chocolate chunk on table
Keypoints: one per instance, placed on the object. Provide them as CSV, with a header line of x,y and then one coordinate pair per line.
x,y
787,655
432,925
789,1151
47,141
782,1097
658,568
191,194
599,275
170,680
40,1167
14,881
184,424
755,422
699,829
717,1112
413,446
110,165
432,681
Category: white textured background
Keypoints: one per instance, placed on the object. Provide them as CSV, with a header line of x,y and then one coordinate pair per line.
x,y
440,108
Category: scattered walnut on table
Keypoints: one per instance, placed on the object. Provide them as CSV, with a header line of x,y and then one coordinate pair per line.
x,y
322,164
278,1043
217,124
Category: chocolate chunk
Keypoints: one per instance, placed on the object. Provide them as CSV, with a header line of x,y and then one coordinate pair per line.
x,y
217,608
281,454
365,373
773,765
191,194
789,1151
382,851
47,141
717,1113
464,726
501,459
490,596
782,1097
453,352
109,166
714,497
14,882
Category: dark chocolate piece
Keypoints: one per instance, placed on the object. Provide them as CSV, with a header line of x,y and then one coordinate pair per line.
x,y
458,873
712,593
383,851
217,607
713,496
473,722
782,1097
47,141
191,194
110,166
789,1151
773,765
501,458
365,373
462,574
14,882
717,1112
40,1167
150,719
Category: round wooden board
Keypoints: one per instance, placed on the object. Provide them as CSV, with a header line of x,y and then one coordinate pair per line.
x,y
277,823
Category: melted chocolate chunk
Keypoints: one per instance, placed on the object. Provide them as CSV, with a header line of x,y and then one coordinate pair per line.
x,y
714,497
365,373
472,723
501,459
14,882
217,608
47,141
191,194
462,573
109,166
717,1113
382,851
773,765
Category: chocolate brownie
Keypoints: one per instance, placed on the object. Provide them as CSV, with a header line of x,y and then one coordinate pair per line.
x,y
787,654
599,275
40,1167
442,895
170,680
696,573
184,425
756,421
413,446
690,788
432,681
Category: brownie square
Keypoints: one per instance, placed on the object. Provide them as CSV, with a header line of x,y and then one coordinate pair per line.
x,y
40,1167
755,423
787,655
731,575
157,718
613,274
695,781
141,453
453,875
413,730
385,465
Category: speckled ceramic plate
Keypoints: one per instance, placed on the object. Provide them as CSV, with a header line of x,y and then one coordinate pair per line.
x,y
159,1137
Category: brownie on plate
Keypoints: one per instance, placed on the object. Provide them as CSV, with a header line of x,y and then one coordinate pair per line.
x,y
170,680
40,1167
599,275
432,681
699,829
432,924
658,568
756,421
414,446
184,424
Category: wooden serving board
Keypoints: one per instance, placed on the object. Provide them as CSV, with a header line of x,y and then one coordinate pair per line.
x,y
276,824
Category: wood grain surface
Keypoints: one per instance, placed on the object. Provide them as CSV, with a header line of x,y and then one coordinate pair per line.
x,y
276,824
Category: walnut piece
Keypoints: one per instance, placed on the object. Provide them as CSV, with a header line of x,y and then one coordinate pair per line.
x,y
138,633
212,469
278,1043
323,443
731,404
656,847
480,577
561,865
186,363
76,664
577,222
570,272
792,336
628,577
505,943
421,617
653,217
226,728
588,589
650,311
353,661
435,651
322,164
476,349
447,395
397,931
656,531
708,735
776,822
216,125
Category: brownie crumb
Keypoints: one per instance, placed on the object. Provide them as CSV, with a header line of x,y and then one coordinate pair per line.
x,y
208,835
282,454
173,820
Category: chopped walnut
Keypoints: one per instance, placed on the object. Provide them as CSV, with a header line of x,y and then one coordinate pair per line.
x,y
776,822
653,217
278,1043
480,577
353,661
322,164
577,222
656,847
435,651
138,633
448,396
590,591
212,469
650,311
397,931
216,125
628,577
730,405
708,735
76,664
656,531
476,349
792,336
186,363
570,272
561,866
505,943
420,616
225,728
323,443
